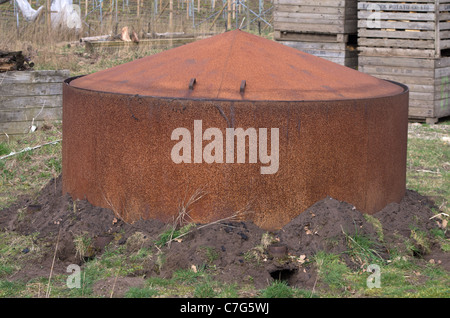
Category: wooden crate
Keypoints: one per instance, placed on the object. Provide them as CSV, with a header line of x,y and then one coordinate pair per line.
x,y
427,78
339,52
419,28
295,19
28,95
325,28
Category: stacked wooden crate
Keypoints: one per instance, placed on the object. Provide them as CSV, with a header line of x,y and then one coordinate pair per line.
x,y
28,99
325,28
408,42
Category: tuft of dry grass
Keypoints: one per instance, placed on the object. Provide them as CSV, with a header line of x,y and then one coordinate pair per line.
x,y
28,171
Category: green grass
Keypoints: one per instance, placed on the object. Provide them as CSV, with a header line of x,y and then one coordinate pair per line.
x,y
144,292
29,171
332,271
428,170
4,149
172,234
363,249
278,289
15,251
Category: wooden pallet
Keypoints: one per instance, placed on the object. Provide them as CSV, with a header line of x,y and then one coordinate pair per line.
x,y
298,17
28,95
428,80
414,28
339,53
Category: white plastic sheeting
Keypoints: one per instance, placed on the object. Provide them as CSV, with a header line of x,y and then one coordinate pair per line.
x,y
65,14
27,11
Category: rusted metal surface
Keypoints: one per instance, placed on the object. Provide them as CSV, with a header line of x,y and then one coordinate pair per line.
x,y
219,64
341,133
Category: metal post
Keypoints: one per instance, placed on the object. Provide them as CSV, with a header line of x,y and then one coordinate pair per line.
x,y
237,14
193,13
101,12
170,15
229,14
248,15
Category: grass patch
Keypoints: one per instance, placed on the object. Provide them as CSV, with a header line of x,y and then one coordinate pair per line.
x,y
362,249
428,170
278,289
11,289
29,171
15,251
205,290
4,148
144,292
331,270
172,234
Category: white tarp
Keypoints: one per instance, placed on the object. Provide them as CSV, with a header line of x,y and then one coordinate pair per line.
x,y
65,14
27,11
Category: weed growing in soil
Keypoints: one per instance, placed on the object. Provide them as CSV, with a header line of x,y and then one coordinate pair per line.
x,y
362,248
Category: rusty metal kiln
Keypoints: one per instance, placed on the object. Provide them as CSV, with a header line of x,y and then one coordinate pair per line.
x,y
251,122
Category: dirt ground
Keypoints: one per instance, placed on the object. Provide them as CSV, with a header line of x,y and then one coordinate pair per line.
x,y
244,253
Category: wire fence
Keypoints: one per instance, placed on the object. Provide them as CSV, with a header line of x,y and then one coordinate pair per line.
x,y
155,16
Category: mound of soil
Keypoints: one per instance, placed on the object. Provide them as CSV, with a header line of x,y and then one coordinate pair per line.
x,y
239,252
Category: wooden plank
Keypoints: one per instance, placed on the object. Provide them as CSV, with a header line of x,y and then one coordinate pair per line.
x,y
310,37
412,16
7,102
313,18
27,114
404,79
418,7
312,23
442,61
371,51
405,1
25,89
442,107
374,33
444,44
348,27
396,61
442,72
316,45
420,112
410,25
369,42
338,53
403,71
317,3
18,127
57,76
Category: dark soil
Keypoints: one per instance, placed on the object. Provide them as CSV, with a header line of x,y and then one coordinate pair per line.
x,y
239,252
